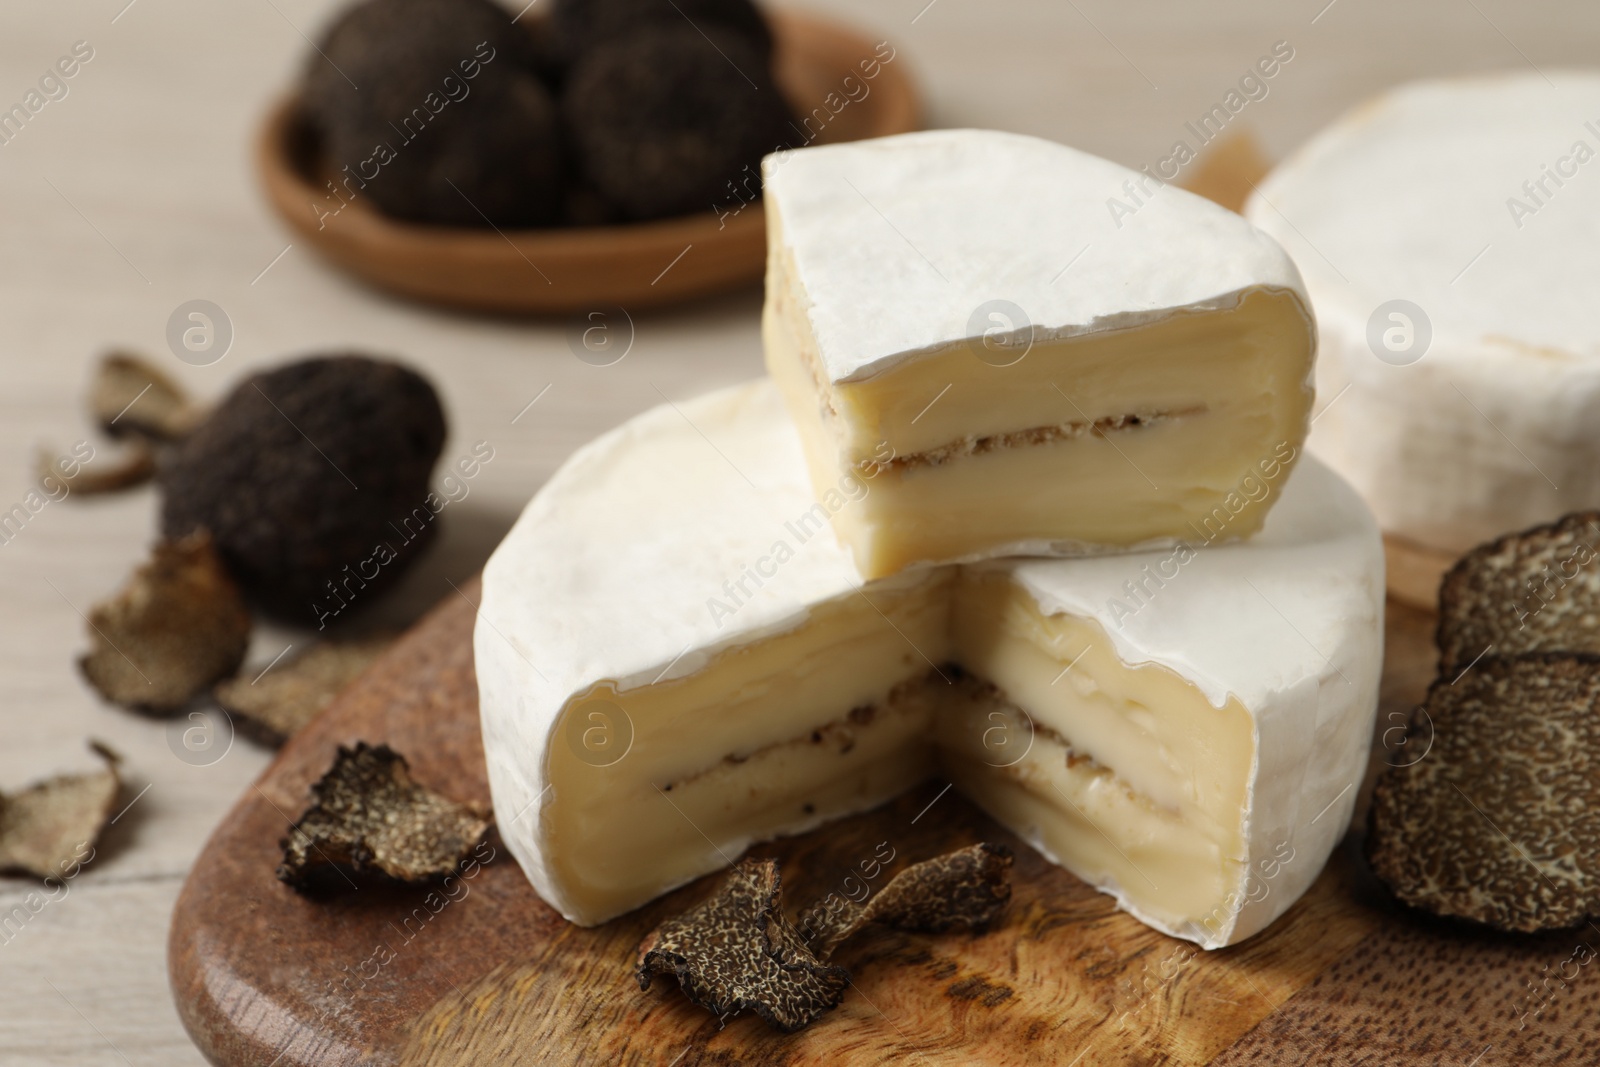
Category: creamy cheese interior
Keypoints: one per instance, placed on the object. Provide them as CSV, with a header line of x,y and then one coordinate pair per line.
x,y
1124,774
815,722
1145,431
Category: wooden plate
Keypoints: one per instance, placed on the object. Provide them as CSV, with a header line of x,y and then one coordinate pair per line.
x,y
553,271
489,974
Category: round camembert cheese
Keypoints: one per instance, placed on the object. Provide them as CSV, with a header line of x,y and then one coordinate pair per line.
x,y
1449,235
1184,728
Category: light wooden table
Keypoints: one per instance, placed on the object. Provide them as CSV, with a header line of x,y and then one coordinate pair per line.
x,y
134,194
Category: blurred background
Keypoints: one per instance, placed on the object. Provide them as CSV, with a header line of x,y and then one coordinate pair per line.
x,y
136,192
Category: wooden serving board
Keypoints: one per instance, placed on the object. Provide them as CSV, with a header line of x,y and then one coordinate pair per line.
x,y
489,974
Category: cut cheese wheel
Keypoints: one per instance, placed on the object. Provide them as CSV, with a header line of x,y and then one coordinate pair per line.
x,y
1029,349
1449,235
1184,728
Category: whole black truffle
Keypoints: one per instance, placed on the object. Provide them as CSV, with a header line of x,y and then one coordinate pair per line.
x,y
668,121
434,110
579,25
313,480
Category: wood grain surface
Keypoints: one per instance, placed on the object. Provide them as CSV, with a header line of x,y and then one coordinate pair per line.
x,y
483,971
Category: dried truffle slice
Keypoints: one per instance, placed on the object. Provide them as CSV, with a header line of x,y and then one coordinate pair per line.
x,y
736,952
129,395
1499,822
135,466
433,109
274,703
313,478
1533,591
668,121
177,626
371,821
966,889
49,829
581,25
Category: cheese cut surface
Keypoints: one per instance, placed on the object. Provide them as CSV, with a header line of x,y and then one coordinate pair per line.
x,y
1144,361
1473,201
1182,727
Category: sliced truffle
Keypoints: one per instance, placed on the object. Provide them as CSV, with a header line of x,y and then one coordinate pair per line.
x,y
372,822
581,25
1533,591
737,951
177,626
434,110
130,395
134,466
274,703
1500,822
49,829
962,890
314,480
669,121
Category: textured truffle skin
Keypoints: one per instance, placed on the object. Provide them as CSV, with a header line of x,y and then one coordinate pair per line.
x,y
580,25
303,471
1499,821
668,121
1533,591
461,150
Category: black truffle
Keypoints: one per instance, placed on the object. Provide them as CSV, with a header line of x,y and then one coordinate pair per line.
x,y
580,25
671,121
1499,820
1533,591
372,823
737,951
313,479
434,109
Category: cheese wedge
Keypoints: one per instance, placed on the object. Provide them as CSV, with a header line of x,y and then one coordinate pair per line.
x,y
1144,358
1448,237
1183,728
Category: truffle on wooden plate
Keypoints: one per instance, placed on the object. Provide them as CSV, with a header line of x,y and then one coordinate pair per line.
x,y
1499,822
670,120
313,478
1533,591
435,111
372,822
737,951
580,25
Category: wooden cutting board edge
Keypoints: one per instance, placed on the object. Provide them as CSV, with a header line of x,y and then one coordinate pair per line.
x,y
1065,970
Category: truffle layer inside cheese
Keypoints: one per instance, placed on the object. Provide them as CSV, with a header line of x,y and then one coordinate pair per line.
x,y
1140,392
825,719
1125,774
1162,723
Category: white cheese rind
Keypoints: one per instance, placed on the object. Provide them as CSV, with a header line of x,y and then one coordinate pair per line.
x,y
576,597
1290,624
896,241
1021,358
616,570
1431,194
